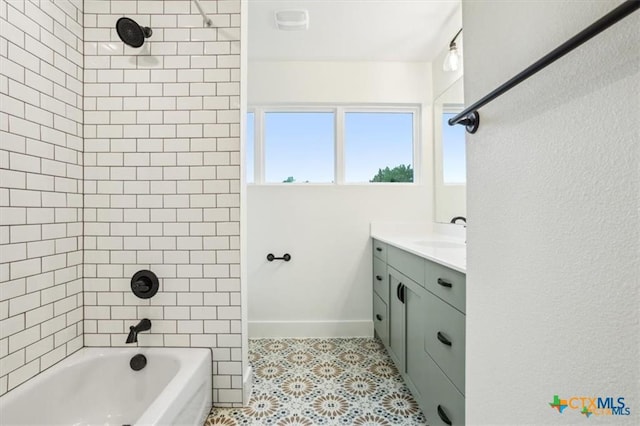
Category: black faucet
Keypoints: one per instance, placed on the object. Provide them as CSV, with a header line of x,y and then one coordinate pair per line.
x,y
457,218
143,325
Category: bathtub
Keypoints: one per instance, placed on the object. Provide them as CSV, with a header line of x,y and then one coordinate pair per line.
x,y
96,386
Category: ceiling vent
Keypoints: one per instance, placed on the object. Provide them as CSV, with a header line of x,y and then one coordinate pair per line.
x,y
292,20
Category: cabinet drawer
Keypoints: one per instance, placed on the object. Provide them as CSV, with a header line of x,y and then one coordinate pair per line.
x,y
447,284
440,392
380,250
411,265
444,325
381,319
380,279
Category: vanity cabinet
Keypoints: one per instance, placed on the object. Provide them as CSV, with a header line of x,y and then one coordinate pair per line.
x,y
380,292
421,321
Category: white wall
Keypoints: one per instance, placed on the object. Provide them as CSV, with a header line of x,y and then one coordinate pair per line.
x,y
326,289
553,289
337,82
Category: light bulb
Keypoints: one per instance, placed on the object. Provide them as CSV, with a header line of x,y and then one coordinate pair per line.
x,y
452,60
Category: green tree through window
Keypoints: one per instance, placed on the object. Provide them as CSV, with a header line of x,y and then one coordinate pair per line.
x,y
399,173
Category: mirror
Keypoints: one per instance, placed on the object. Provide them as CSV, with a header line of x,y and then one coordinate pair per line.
x,y
450,156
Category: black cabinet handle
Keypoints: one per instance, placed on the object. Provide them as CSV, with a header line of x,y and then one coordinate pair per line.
x,y
400,292
443,339
443,415
403,293
444,283
378,277
378,317
378,248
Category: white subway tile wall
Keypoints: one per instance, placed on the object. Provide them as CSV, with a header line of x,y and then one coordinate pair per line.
x,y
162,180
41,143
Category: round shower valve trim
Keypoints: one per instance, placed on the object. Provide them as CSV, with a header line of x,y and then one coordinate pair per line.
x,y
144,284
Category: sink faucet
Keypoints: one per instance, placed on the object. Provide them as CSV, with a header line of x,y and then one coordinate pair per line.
x,y
457,218
143,325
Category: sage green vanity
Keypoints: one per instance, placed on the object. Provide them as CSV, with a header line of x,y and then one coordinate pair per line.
x,y
419,314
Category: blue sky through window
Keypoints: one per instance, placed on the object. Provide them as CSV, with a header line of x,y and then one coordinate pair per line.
x,y
453,152
299,145
375,140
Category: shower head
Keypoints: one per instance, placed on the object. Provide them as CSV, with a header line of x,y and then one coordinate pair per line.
x,y
131,33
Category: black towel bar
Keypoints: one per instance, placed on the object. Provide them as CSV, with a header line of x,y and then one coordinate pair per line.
x,y
470,117
286,257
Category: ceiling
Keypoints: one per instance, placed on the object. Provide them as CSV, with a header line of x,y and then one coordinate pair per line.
x,y
353,30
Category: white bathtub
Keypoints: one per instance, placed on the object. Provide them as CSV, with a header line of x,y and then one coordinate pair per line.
x,y
96,386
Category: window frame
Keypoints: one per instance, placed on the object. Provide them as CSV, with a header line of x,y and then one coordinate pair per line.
x,y
339,111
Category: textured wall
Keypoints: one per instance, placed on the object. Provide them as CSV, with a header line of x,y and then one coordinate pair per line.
x,y
162,180
41,186
553,201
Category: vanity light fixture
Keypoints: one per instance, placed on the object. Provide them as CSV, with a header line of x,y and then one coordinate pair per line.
x,y
452,60
292,20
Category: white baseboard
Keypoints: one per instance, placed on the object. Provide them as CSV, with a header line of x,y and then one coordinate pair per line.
x,y
247,386
301,329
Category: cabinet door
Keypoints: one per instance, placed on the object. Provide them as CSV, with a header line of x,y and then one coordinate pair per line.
x,y
396,320
414,298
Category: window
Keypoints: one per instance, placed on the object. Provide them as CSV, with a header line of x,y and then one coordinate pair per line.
x,y
453,152
299,147
378,147
332,144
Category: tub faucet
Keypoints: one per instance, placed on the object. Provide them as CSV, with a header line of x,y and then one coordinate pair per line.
x,y
143,325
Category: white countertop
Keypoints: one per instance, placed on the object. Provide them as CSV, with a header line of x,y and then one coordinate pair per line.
x,y
443,244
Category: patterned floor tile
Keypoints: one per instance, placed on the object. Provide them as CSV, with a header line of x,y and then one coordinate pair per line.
x,y
310,382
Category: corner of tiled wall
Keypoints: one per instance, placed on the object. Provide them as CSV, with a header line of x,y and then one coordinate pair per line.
x,y
41,154
162,180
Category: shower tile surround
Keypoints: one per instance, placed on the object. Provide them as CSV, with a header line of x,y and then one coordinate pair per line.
x,y
160,187
41,68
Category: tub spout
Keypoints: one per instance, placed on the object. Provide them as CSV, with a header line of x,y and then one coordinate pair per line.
x,y
143,325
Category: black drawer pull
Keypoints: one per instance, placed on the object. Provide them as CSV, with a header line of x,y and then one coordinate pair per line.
x,y
378,277
444,283
443,415
443,339
378,317
378,248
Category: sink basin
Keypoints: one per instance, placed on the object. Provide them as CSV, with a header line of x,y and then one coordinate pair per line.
x,y
440,244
